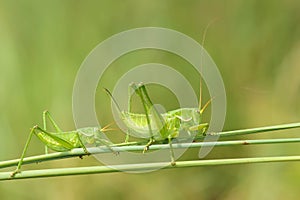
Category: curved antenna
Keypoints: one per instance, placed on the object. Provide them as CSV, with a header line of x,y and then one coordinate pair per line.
x,y
107,127
114,100
201,64
206,105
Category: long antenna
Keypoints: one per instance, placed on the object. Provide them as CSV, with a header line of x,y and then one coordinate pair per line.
x,y
114,100
201,64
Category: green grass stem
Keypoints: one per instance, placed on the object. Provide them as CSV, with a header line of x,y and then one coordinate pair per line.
x,y
136,146
140,167
97,150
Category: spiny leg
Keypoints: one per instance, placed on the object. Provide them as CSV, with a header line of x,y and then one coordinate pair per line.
x,y
17,170
46,114
157,117
63,143
66,145
146,107
162,126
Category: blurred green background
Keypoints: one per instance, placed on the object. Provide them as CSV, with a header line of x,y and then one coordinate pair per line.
x,y
255,44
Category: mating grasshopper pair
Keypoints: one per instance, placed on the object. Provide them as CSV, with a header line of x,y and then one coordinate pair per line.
x,y
152,125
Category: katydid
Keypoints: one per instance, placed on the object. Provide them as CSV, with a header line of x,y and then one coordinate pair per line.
x,y
63,140
159,127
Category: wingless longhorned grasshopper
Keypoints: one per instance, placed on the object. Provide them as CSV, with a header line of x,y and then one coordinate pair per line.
x,y
166,126
63,140
159,127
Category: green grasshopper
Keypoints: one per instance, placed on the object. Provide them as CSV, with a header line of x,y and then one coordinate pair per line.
x,y
160,127
63,140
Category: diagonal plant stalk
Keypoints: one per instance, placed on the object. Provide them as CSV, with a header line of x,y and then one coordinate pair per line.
x,y
80,152
98,150
140,167
137,146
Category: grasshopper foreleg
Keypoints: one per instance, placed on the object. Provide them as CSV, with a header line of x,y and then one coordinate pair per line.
x,y
83,147
151,141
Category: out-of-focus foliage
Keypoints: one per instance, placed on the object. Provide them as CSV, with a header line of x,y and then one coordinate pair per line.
x,y
256,45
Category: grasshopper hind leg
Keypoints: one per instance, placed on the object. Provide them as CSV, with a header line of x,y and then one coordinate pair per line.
x,y
18,169
47,115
